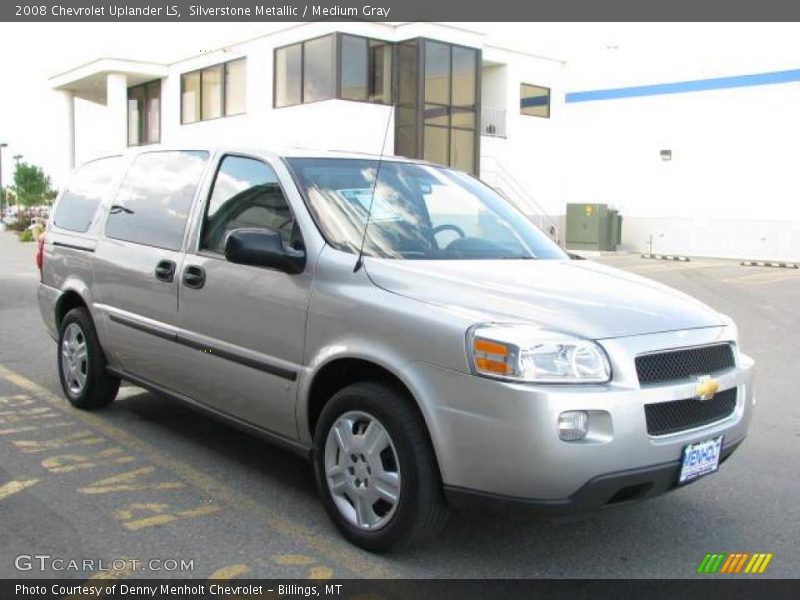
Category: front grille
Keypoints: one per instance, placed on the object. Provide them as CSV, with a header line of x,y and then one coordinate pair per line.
x,y
674,365
679,415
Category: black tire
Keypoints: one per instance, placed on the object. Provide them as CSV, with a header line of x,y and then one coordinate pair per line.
x,y
421,511
100,388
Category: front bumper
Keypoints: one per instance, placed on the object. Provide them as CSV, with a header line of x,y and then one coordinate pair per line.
x,y
611,489
501,439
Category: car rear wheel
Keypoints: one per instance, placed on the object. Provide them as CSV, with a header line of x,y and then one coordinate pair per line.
x,y
376,470
82,364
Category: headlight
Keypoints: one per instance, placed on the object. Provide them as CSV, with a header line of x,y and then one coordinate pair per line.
x,y
522,353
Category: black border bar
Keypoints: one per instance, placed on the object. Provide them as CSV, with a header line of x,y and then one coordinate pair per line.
x,y
398,10
700,586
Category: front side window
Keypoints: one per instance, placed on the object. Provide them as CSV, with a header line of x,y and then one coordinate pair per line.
x,y
144,113
92,183
534,100
153,201
415,212
246,194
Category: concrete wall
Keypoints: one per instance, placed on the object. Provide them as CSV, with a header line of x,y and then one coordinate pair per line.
x,y
731,187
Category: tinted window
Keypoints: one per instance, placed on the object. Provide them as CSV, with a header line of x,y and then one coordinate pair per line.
x,y
190,97
318,69
534,100
86,191
437,73
144,113
246,194
154,199
464,72
287,75
235,87
354,68
380,72
212,92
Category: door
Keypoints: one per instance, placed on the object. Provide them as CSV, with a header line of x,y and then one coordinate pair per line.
x,y
245,324
138,262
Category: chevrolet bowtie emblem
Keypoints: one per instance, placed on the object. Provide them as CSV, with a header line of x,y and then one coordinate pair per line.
x,y
706,388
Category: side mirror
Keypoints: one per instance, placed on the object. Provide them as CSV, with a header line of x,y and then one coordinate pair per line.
x,y
263,248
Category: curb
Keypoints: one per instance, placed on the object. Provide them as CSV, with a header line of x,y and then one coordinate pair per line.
x,y
777,265
666,257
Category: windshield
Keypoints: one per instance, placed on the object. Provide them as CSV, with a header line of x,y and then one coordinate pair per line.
x,y
417,212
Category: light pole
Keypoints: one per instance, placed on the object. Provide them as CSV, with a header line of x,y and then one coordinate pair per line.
x,y
2,189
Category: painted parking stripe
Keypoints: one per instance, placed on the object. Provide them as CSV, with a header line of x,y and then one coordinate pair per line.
x,y
338,552
14,487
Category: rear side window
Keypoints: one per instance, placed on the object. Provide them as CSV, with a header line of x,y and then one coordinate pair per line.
x,y
78,204
154,199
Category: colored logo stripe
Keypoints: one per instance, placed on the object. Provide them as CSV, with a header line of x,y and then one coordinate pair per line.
x,y
734,562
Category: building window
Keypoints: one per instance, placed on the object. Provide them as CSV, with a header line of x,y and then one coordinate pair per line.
x,y
213,92
235,87
534,100
318,69
288,75
438,103
190,97
144,113
353,70
342,66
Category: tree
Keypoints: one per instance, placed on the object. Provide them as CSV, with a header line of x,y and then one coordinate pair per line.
x,y
31,186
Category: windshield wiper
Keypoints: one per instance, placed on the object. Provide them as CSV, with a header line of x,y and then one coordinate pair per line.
x,y
118,208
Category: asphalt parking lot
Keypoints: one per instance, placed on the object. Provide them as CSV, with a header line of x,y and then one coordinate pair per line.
x,y
149,479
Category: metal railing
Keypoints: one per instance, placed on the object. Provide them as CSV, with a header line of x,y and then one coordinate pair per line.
x,y
493,121
497,176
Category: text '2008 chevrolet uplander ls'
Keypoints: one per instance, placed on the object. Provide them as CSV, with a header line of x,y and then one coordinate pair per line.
x,y
398,322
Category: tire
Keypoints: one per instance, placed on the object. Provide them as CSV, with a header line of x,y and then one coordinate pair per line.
x,y
419,512
82,364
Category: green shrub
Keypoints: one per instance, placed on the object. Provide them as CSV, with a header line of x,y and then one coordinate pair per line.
x,y
25,236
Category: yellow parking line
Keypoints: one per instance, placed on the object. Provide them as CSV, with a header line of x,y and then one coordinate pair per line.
x,y
338,552
14,487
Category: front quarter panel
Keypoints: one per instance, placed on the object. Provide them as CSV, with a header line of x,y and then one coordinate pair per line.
x,y
350,317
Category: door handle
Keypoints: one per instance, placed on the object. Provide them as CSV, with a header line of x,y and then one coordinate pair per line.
x,y
165,270
194,277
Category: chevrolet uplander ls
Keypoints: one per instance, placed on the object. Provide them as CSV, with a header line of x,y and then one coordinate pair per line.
x,y
398,322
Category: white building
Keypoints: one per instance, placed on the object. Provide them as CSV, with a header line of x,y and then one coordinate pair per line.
x,y
521,121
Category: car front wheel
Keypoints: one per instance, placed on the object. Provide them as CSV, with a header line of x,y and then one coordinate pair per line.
x,y
376,470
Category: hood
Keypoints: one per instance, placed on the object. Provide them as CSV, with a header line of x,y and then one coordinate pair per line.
x,y
577,297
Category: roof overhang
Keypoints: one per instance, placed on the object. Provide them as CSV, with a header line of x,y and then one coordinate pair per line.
x,y
89,81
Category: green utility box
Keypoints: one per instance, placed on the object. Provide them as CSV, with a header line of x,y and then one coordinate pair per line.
x,y
593,227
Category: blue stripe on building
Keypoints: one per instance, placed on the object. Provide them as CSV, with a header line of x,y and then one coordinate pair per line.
x,y
682,87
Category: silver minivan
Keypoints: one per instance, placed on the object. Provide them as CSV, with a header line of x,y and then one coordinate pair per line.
x,y
399,323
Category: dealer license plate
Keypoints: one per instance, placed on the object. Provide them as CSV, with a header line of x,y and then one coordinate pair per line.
x,y
700,459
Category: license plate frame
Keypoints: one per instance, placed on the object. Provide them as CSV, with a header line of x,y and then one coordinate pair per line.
x,y
700,459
